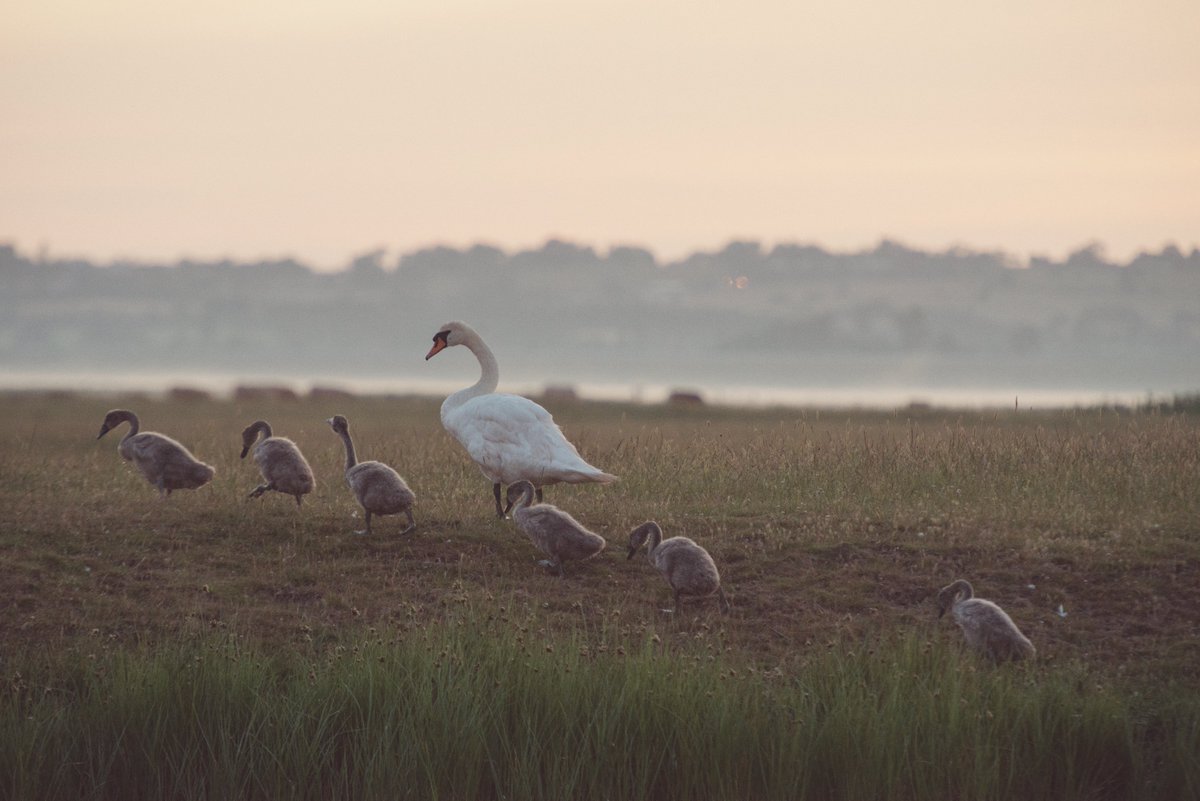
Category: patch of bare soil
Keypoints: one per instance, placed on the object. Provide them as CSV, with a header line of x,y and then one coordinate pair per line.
x,y
1133,616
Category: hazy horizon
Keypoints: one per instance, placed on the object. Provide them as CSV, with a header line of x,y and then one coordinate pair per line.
x,y
744,324
391,256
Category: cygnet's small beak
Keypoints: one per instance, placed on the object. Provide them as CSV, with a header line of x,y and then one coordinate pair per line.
x,y
632,551
103,431
245,450
508,508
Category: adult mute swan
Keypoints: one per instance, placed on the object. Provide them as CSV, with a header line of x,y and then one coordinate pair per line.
x,y
686,566
164,462
511,438
379,489
551,530
282,465
987,628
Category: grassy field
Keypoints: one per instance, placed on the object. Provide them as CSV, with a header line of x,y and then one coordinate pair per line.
x,y
277,654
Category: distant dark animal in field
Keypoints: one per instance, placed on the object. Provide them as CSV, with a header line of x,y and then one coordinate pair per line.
x,y
511,438
282,465
379,489
551,530
686,566
164,462
987,628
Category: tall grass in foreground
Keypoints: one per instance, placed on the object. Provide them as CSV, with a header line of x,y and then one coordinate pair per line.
x,y
467,712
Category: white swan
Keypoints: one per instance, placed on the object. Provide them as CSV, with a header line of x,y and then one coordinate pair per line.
x,y
686,566
281,463
987,628
164,462
511,438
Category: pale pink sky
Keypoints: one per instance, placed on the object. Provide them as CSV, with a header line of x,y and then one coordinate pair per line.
x,y
321,129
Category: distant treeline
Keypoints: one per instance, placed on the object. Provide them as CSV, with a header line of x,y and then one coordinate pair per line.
x,y
792,315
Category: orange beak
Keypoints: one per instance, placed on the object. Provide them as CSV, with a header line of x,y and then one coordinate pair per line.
x,y
438,346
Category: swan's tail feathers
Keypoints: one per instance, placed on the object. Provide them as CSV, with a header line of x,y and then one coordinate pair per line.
x,y
597,476
203,473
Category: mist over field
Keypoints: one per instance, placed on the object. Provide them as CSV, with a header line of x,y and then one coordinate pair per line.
x,y
791,317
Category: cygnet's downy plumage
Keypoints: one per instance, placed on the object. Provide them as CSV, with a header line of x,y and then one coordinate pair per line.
x,y
987,628
511,438
282,465
379,489
551,530
686,566
164,462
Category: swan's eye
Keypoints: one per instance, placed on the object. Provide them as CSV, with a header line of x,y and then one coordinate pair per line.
x,y
442,335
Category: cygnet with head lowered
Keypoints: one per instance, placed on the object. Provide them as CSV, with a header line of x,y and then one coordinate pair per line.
x,y
283,467
987,628
551,530
686,566
164,462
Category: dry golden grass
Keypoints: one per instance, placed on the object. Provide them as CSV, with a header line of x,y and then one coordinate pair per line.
x,y
826,527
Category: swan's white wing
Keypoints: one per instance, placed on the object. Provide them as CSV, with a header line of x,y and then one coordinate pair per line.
x,y
512,438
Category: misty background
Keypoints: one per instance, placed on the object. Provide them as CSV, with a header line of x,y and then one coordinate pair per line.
x,y
786,319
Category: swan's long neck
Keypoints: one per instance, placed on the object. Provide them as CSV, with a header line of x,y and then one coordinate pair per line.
x,y
351,459
489,375
963,590
131,418
653,541
648,534
526,499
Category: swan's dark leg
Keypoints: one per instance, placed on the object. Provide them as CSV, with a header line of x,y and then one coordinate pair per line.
x,y
499,508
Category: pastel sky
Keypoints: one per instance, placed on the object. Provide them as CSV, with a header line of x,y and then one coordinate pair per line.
x,y
319,129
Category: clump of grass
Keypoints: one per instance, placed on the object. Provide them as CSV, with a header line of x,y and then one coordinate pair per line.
x,y
467,711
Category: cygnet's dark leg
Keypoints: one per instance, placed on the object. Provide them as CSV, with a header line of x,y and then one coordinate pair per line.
x,y
259,490
538,494
298,497
499,508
